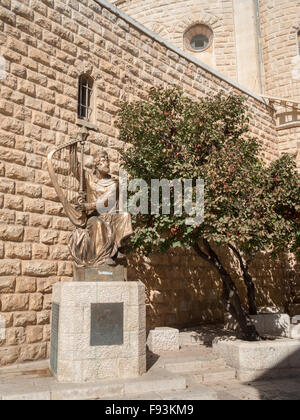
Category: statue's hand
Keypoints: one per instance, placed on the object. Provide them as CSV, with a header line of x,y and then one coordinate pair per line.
x,y
81,203
80,207
81,198
85,207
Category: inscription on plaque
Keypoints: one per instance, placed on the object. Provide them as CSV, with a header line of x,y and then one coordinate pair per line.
x,y
107,324
54,337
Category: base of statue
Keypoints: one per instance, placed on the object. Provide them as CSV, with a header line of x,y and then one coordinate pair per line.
x,y
103,272
98,331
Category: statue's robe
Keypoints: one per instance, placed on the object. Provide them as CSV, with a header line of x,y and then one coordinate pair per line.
x,y
105,233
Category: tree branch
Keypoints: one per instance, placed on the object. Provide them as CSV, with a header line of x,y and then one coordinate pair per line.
x,y
202,254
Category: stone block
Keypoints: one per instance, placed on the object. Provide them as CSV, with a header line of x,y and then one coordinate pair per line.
x,y
18,251
295,332
163,339
22,319
8,355
103,273
268,323
34,334
32,352
7,284
275,325
39,268
17,302
87,309
36,302
15,336
25,285
11,233
260,360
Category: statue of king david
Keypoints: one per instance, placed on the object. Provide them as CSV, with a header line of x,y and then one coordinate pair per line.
x,y
101,229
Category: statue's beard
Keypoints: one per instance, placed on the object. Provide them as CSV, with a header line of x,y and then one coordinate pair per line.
x,y
103,171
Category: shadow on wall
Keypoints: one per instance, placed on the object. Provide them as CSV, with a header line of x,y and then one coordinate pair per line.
x,y
181,290
273,279
184,291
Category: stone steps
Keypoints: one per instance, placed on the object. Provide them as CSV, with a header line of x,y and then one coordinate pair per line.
x,y
194,365
198,366
28,387
198,392
175,375
214,375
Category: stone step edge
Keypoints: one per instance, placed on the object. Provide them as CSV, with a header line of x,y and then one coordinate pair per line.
x,y
182,367
208,375
141,385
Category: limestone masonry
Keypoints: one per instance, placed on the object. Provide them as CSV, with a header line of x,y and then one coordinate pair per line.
x,y
45,46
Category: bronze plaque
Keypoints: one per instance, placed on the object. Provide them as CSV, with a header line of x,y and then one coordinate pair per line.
x,y
107,324
54,337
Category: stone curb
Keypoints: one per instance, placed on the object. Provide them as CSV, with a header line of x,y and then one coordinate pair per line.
x,y
160,382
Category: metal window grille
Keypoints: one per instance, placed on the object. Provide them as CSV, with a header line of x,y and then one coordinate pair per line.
x,y
84,97
199,42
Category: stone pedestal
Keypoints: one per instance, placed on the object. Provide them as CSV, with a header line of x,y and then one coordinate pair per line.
x,y
98,331
104,272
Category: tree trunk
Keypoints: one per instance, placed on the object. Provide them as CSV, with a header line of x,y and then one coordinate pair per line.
x,y
247,280
230,297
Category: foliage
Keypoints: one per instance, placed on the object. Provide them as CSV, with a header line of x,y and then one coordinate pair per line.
x,y
247,203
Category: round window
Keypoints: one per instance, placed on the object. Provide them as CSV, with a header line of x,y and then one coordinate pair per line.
x,y
198,38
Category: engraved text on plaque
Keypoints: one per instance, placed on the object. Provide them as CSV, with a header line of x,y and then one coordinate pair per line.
x,y
107,324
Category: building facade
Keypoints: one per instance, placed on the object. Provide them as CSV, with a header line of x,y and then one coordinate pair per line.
x,y
47,49
254,42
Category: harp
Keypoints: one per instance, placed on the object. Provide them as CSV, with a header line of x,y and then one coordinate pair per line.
x,y
66,170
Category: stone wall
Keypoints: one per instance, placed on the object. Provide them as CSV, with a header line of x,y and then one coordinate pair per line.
x,y
281,58
170,20
184,291
288,141
280,22
44,47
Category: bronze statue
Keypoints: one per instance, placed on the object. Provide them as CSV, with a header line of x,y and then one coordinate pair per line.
x,y
100,233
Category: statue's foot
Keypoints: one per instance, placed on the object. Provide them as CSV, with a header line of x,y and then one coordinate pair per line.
x,y
121,256
110,262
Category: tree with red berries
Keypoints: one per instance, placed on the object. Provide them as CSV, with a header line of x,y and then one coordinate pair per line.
x,y
249,206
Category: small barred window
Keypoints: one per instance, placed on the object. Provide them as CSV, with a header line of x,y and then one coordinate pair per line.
x,y
85,91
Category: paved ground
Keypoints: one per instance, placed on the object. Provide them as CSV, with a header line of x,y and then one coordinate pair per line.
x,y
29,387
193,373
230,390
